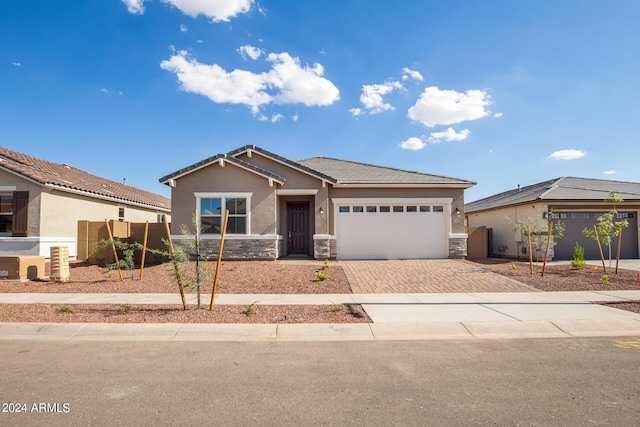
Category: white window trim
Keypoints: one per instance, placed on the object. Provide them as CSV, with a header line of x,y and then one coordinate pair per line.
x,y
206,195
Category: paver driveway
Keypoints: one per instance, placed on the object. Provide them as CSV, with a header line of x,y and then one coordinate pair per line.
x,y
422,276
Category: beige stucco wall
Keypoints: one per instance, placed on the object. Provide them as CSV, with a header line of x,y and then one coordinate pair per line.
x,y
504,231
227,179
61,212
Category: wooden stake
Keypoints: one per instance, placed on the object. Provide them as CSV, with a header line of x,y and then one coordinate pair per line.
x,y
618,255
166,224
546,251
215,278
144,248
604,267
530,254
113,246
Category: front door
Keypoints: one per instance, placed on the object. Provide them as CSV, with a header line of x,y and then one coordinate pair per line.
x,y
298,228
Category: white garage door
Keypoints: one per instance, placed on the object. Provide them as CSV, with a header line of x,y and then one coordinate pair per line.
x,y
398,231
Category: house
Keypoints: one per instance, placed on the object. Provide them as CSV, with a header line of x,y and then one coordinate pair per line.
x,y
577,202
41,203
318,207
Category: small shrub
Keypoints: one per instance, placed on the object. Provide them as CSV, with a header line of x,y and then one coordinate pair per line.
x,y
605,279
578,257
325,264
283,267
335,308
125,307
321,276
110,274
275,280
513,266
250,309
65,309
234,267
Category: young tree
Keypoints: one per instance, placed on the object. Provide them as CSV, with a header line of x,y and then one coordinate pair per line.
x,y
606,228
536,230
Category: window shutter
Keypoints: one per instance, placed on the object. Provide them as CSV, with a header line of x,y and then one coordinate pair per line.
x,y
20,213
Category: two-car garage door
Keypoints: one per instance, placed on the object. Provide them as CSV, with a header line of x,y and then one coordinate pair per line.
x,y
410,230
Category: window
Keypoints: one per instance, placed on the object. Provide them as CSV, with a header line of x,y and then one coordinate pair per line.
x,y
621,215
559,215
425,208
358,209
345,209
6,213
385,208
412,209
398,208
211,214
438,208
580,215
121,213
372,209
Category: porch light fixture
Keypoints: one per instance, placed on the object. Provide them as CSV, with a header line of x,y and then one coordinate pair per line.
x,y
457,211
321,210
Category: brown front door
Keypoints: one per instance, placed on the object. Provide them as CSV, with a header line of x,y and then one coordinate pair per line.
x,y
298,228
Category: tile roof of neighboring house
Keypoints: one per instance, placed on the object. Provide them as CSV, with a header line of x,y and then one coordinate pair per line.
x,y
69,178
348,172
565,188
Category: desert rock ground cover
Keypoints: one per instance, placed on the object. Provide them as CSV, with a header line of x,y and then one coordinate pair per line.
x,y
263,277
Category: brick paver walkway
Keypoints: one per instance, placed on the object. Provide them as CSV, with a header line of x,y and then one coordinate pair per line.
x,y
424,276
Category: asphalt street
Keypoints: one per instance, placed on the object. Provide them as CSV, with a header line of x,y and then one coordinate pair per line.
x,y
569,381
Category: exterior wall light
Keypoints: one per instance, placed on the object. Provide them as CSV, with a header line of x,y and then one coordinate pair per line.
x,y
321,210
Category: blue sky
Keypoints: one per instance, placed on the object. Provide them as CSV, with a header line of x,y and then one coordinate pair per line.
x,y
498,92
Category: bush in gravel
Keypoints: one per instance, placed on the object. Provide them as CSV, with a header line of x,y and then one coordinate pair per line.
x,y
578,257
250,309
321,276
65,309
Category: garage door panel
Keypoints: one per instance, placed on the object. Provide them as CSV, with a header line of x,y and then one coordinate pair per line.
x,y
391,235
576,222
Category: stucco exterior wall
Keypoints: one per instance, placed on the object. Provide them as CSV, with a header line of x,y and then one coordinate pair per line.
x,y
227,179
504,231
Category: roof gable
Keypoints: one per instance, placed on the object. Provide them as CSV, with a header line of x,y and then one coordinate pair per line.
x,y
222,159
68,178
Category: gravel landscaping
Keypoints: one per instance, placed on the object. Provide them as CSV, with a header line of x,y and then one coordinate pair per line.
x,y
264,277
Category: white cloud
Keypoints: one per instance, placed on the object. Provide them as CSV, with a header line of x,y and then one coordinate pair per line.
x,y
413,143
446,107
371,98
497,115
184,28
17,64
449,135
250,51
135,6
286,83
276,118
104,90
610,172
216,10
407,73
295,117
567,154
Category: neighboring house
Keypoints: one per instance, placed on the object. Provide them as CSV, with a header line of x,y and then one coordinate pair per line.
x,y
318,207
577,202
41,203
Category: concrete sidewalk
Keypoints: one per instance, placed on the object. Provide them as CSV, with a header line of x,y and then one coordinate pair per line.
x,y
394,316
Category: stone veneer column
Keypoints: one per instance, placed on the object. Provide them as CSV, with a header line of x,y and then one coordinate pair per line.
x,y
458,246
321,246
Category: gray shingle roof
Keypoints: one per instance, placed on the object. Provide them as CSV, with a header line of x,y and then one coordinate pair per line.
x,y
349,172
565,188
70,178
334,171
